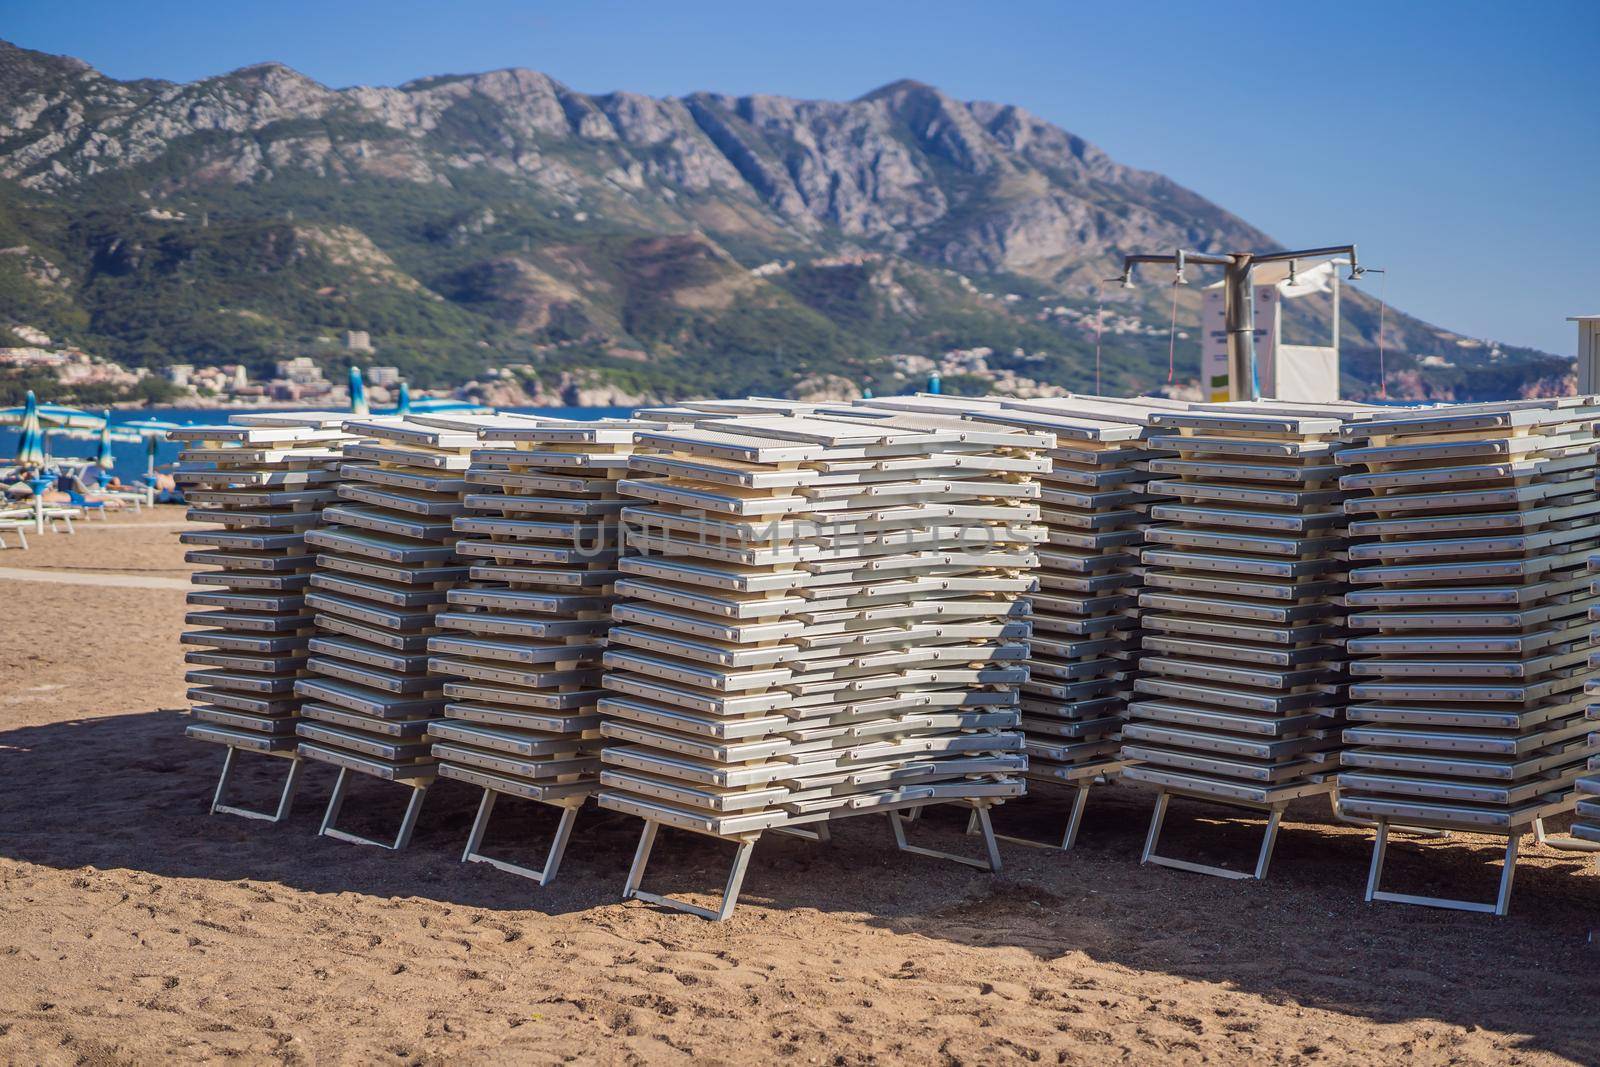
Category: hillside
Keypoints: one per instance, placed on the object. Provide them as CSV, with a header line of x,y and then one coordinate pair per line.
x,y
660,248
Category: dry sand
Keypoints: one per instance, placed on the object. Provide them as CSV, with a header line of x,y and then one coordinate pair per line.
x,y
134,926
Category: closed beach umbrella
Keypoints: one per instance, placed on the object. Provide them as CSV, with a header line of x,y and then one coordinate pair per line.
x,y
30,451
103,457
358,393
404,407
30,448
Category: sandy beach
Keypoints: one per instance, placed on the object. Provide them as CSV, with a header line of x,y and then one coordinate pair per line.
x,y
134,926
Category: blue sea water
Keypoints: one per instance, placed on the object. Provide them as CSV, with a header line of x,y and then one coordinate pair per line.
x,y
131,458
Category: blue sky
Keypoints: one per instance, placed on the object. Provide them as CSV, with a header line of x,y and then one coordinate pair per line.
x,y
1458,144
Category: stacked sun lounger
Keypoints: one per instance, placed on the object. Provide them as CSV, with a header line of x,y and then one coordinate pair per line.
x,y
258,485
1586,826
521,644
1470,606
385,563
1240,690
821,618
1084,613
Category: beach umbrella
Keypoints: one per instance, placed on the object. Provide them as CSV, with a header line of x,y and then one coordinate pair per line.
x,y
103,457
404,407
30,451
30,447
51,416
432,406
358,393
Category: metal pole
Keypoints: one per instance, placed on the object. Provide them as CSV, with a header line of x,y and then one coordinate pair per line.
x,y
1241,320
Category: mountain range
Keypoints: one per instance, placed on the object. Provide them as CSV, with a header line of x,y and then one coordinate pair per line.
x,y
618,246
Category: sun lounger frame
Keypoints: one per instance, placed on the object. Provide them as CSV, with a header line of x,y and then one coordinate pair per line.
x,y
291,785
569,806
899,816
408,822
1501,904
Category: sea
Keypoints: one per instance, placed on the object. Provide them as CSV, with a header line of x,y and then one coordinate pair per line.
x,y
131,458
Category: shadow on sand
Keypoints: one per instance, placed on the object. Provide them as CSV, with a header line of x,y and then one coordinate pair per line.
x,y
129,791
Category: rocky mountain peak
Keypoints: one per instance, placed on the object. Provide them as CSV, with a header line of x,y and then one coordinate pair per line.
x,y
616,219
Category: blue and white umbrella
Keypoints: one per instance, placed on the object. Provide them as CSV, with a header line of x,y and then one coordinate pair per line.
x,y
30,447
51,416
404,406
441,406
103,457
358,393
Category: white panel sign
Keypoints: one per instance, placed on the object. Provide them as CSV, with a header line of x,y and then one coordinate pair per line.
x,y
1307,373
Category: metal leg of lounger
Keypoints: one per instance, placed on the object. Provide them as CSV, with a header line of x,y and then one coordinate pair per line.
x,y
898,820
1269,841
1562,842
285,798
407,824
730,890
1069,836
558,847
1502,901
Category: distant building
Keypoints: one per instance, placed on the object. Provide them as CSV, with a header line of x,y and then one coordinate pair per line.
x,y
302,370
384,376
358,340
180,373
